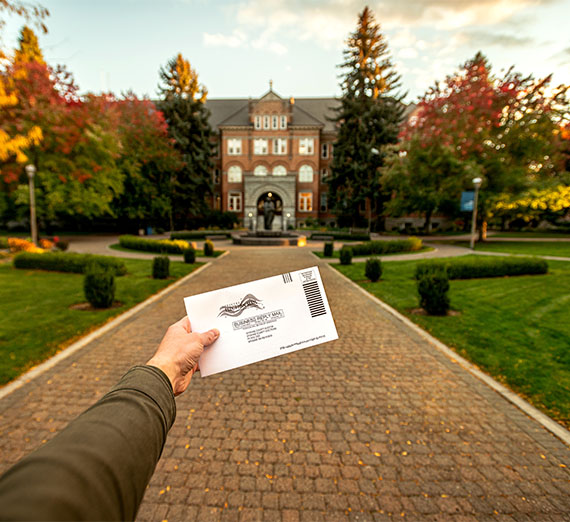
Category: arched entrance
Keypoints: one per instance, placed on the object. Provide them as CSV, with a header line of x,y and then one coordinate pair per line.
x,y
269,206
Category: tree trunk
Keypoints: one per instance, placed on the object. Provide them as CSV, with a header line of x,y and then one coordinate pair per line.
x,y
369,200
427,223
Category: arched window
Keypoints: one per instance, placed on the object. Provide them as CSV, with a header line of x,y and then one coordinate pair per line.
x,y
234,174
306,174
260,170
280,170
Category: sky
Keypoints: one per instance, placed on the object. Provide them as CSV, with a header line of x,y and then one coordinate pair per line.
x,y
238,46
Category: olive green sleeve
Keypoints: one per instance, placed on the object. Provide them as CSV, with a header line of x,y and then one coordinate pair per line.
x,y
98,467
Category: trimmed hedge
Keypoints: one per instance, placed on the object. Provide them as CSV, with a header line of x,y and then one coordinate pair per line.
x,y
198,234
67,262
161,246
190,256
99,286
208,248
328,249
345,255
373,269
432,289
342,236
387,247
161,267
484,266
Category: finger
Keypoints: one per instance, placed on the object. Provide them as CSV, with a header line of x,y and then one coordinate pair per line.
x,y
207,338
184,323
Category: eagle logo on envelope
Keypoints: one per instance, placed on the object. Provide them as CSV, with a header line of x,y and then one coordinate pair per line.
x,y
235,309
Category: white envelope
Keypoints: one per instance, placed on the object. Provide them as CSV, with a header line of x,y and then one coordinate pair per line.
x,y
262,319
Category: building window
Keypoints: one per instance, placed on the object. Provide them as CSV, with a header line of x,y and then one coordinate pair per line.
x,y
306,146
266,122
260,170
283,122
280,146
324,202
324,175
216,176
260,146
258,122
234,147
274,122
280,170
325,150
234,174
306,174
305,201
234,201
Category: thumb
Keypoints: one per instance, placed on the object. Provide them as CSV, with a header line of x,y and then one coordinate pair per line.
x,y
207,338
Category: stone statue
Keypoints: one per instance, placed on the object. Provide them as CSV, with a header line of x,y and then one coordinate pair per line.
x,y
268,213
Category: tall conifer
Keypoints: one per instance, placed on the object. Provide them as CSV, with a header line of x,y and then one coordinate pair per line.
x,y
187,117
368,119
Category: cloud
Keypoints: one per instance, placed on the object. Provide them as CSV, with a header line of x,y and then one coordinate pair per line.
x,y
479,38
236,39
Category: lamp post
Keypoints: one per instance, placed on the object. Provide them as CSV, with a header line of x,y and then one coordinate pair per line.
x,y
31,172
476,183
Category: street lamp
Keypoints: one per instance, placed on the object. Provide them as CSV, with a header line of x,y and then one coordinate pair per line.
x,y
31,172
476,183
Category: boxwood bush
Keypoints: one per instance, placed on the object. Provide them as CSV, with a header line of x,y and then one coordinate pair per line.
x,y
432,288
328,249
160,267
345,255
198,234
387,247
190,255
208,248
373,269
67,262
99,286
484,266
162,246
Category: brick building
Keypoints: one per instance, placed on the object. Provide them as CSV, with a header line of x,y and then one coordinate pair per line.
x,y
273,148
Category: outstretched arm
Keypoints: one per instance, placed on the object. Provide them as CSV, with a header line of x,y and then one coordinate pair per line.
x,y
98,467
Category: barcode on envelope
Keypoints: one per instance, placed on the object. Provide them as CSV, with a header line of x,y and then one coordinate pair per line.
x,y
287,278
314,298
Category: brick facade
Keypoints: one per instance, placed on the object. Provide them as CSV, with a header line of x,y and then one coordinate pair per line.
x,y
289,167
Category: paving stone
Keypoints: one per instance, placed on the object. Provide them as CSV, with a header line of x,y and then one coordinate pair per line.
x,y
368,427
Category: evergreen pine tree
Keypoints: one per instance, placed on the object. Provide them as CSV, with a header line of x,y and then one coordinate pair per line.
x,y
183,107
368,119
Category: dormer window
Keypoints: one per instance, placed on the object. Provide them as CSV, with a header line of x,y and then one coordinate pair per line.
x,y
258,122
283,122
266,122
274,122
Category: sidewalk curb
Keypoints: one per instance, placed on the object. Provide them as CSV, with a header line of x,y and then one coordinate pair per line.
x,y
551,425
84,341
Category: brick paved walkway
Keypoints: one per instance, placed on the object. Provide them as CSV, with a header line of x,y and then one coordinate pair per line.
x,y
375,426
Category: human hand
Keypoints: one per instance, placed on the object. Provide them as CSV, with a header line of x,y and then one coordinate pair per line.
x,y
178,353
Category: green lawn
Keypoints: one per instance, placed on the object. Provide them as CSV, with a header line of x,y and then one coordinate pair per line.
x,y
120,248
537,234
35,318
530,248
515,328
336,253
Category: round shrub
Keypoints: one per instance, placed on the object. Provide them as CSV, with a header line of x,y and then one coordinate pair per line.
x,y
160,267
62,245
329,248
189,255
432,288
345,255
208,248
373,269
99,286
